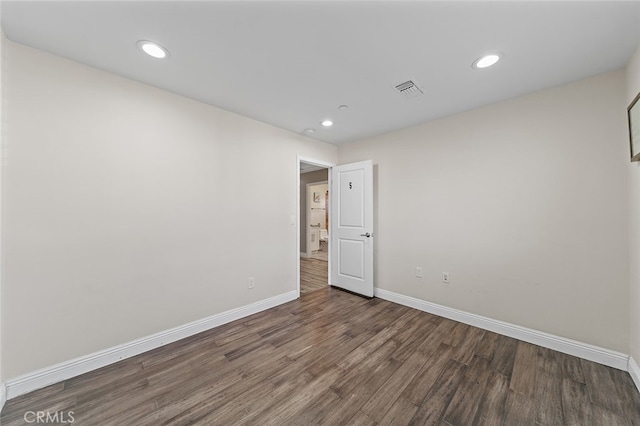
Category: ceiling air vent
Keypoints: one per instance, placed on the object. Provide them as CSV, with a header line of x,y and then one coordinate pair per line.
x,y
409,89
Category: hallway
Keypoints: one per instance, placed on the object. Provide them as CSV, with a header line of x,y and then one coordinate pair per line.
x,y
313,274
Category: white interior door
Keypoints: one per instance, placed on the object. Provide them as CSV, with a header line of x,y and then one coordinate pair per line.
x,y
351,235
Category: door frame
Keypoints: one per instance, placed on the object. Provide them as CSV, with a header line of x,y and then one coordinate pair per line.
x,y
320,163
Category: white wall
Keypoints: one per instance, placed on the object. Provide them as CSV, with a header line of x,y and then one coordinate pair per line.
x,y
317,215
523,202
633,87
129,210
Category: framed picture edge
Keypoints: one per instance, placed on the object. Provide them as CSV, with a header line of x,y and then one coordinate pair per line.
x,y
633,104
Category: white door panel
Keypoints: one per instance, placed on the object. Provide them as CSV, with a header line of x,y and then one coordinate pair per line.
x,y
352,227
352,259
351,207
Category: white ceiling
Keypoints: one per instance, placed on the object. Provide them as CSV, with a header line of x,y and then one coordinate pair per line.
x,y
308,167
292,63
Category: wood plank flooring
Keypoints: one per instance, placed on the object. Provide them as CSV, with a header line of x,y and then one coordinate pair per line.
x,y
322,254
313,274
334,358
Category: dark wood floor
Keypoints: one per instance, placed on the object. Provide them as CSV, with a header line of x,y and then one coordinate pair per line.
x,y
313,274
335,358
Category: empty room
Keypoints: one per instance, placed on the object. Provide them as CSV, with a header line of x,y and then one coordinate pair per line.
x,y
320,212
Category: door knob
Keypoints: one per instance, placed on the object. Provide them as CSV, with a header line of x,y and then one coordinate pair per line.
x,y
366,235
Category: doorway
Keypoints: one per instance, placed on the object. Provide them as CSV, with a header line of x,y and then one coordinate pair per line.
x,y
314,232
349,225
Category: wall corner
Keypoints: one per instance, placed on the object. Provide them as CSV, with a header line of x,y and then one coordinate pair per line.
x,y
3,395
634,372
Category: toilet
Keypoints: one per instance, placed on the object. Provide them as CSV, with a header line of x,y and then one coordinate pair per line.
x,y
324,238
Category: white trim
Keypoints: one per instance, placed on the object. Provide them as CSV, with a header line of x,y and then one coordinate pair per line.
x,y
299,159
66,370
3,151
634,372
572,347
3,395
304,255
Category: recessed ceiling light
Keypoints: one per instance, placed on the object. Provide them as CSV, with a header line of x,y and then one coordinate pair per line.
x,y
343,107
327,123
153,49
309,131
486,61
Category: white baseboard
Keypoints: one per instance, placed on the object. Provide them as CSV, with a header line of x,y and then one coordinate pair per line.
x,y
304,255
572,347
634,372
3,395
66,370
75,367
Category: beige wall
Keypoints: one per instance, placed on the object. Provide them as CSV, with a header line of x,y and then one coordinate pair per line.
x,y
633,87
305,178
523,202
125,214
129,210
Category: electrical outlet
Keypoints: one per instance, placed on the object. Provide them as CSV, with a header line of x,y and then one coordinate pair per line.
x,y
251,283
445,277
418,272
